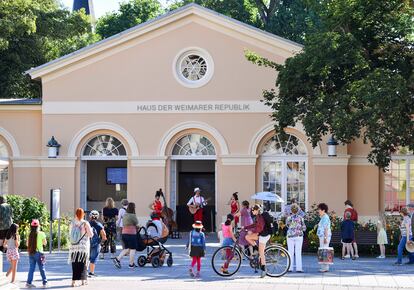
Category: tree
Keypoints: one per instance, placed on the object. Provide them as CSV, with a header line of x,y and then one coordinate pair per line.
x,y
130,14
354,78
242,10
291,19
33,32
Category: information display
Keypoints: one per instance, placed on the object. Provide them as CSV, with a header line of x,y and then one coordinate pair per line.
x,y
116,175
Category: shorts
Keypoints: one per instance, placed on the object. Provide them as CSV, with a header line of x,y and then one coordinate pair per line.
x,y
228,242
94,254
130,241
12,255
264,240
347,241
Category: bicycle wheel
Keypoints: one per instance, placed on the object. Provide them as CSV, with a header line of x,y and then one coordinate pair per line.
x,y
277,261
226,261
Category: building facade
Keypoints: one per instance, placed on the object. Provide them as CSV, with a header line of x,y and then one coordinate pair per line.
x,y
174,104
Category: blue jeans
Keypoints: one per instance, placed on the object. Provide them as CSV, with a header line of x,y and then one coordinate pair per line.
x,y
401,247
33,260
411,256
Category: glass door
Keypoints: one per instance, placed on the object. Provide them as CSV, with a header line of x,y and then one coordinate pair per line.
x,y
287,178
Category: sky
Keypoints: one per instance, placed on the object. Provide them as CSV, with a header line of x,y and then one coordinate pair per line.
x,y
101,7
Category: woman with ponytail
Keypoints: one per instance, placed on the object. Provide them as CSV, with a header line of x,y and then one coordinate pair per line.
x,y
35,243
228,240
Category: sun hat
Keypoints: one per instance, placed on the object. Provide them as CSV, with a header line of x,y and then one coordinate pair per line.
x,y
409,246
196,189
198,225
94,214
35,223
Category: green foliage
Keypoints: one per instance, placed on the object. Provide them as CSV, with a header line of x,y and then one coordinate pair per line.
x,y
291,19
130,14
353,79
25,209
33,32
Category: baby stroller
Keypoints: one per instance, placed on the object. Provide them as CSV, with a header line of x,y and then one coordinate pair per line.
x,y
156,251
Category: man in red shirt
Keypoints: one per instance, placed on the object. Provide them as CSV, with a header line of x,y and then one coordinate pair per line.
x,y
349,207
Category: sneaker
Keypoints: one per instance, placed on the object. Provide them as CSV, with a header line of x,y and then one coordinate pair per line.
x,y
117,263
299,271
190,271
197,275
224,271
356,256
30,285
263,274
347,256
398,264
91,275
46,285
132,266
380,257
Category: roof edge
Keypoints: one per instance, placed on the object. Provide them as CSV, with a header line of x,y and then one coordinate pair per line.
x,y
44,69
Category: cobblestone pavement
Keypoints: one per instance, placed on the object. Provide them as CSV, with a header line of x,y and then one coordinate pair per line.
x,y
365,273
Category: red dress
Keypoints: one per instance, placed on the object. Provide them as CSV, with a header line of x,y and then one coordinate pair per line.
x,y
234,209
157,205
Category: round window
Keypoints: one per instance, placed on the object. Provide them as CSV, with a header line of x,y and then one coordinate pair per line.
x,y
193,68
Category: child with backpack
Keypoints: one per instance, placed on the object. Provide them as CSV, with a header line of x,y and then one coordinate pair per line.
x,y
197,246
98,236
12,242
35,243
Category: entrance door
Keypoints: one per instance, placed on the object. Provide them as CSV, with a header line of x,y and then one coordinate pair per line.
x,y
192,174
103,170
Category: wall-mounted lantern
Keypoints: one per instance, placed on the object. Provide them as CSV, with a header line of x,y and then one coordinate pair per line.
x,y
53,145
332,143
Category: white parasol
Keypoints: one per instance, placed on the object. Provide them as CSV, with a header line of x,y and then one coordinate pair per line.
x,y
268,196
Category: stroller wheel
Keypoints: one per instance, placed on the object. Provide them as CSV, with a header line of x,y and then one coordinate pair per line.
x,y
170,261
142,260
155,262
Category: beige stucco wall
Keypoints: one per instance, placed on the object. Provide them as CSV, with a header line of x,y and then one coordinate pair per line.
x,y
331,186
363,188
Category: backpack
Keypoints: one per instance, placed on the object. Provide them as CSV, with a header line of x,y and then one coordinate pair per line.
x,y
95,239
270,223
75,233
165,231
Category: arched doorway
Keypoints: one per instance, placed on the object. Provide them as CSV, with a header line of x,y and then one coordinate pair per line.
x,y
103,171
193,164
4,168
284,170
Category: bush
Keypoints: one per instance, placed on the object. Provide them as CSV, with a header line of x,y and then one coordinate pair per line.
x,y
27,208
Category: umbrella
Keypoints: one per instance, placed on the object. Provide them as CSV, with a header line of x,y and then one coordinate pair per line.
x,y
269,196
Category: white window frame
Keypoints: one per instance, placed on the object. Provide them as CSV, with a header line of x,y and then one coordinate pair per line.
x,y
285,159
408,159
111,157
177,71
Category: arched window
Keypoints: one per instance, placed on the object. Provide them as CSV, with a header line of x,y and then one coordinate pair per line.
x,y
284,170
104,147
4,169
194,145
291,146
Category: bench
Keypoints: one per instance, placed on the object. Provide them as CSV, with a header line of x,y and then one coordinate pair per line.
x,y
361,237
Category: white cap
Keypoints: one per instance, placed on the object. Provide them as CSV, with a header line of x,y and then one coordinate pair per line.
x,y
197,189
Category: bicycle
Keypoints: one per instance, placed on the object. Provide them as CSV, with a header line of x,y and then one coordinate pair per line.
x,y
277,259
